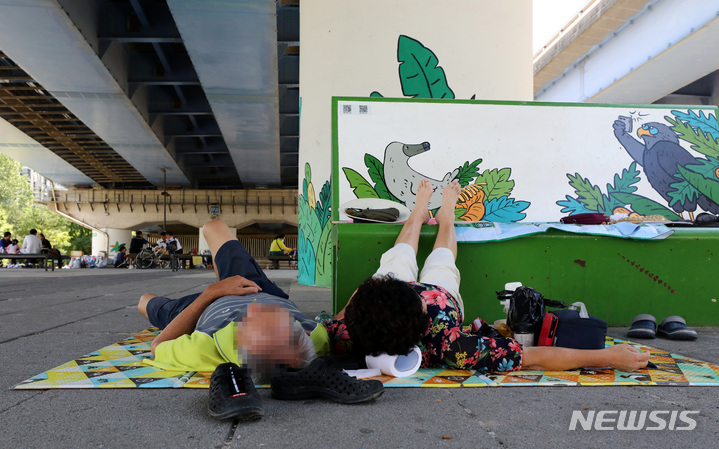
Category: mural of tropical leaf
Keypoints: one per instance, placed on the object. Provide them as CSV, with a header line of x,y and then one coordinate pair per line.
x,y
700,142
505,210
587,193
645,206
323,268
467,172
625,182
572,206
312,229
707,123
458,212
708,187
362,188
375,168
323,205
709,167
498,183
683,191
306,259
419,73
376,94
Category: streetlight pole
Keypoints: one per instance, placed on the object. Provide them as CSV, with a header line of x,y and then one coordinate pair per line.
x,y
164,200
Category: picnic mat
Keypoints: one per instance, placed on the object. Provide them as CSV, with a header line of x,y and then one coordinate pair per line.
x,y
120,366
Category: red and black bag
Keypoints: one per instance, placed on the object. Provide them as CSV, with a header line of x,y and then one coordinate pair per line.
x,y
572,328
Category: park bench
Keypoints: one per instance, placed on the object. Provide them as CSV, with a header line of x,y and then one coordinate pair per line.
x,y
275,261
42,259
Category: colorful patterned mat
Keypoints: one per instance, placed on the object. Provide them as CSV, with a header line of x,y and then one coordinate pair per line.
x,y
120,366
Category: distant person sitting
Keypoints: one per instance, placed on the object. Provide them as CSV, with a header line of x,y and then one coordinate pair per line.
x,y
44,242
13,247
137,242
121,260
31,244
278,248
5,242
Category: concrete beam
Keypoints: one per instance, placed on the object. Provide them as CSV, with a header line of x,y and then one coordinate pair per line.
x,y
132,209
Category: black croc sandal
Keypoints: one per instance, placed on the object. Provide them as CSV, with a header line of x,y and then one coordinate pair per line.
x,y
324,378
233,394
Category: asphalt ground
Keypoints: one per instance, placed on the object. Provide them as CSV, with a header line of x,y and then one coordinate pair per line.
x,y
49,318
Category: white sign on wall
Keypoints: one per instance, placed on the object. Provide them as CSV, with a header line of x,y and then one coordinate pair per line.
x,y
531,162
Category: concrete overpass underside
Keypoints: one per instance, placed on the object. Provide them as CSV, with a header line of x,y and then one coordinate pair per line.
x,y
141,209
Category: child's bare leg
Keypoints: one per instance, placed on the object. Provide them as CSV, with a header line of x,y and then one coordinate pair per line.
x,y
419,216
446,236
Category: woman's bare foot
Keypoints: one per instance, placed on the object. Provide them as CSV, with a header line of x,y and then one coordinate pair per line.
x,y
424,193
450,194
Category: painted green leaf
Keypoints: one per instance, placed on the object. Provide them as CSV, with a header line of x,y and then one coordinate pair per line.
x,y
376,94
708,167
323,269
308,172
375,168
708,187
323,205
309,223
498,183
625,182
467,172
698,140
645,206
459,212
682,192
587,193
419,73
306,259
362,188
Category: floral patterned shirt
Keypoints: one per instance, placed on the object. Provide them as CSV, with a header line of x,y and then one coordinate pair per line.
x,y
446,343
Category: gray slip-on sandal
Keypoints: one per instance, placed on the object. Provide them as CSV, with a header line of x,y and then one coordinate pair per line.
x,y
643,326
675,328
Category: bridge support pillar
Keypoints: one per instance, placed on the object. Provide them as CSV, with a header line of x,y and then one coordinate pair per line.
x,y
108,240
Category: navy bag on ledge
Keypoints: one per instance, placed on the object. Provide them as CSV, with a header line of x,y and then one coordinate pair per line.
x,y
577,329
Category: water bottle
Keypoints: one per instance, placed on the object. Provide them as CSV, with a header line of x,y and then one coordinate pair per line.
x,y
323,317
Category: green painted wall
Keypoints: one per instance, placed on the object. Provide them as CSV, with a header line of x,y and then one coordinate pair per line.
x,y
616,278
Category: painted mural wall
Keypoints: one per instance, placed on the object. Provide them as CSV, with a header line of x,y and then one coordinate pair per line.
x,y
401,49
530,162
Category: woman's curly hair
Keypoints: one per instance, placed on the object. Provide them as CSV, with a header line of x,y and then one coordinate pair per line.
x,y
385,316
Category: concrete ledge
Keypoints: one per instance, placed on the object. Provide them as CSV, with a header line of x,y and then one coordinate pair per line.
x,y
616,278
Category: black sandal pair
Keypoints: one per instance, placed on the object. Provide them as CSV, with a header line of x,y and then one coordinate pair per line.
x,y
672,327
233,394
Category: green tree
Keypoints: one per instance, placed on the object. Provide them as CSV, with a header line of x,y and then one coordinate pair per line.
x,y
19,213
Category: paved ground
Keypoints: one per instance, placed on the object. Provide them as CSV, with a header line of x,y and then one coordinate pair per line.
x,y
48,318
